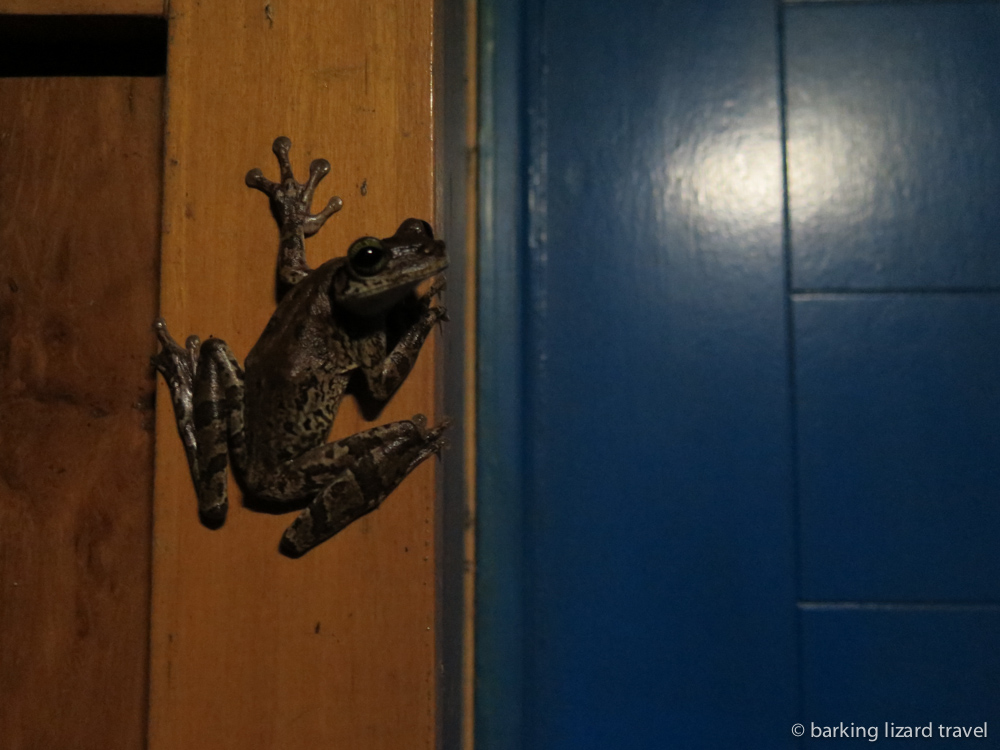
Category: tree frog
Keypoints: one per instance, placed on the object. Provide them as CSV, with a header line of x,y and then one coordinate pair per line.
x,y
355,314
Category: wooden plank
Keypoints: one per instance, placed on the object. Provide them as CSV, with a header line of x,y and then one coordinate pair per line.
x,y
249,648
84,7
79,225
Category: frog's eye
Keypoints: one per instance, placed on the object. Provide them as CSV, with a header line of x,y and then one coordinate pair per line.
x,y
367,256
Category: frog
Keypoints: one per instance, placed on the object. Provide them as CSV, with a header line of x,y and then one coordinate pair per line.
x,y
358,317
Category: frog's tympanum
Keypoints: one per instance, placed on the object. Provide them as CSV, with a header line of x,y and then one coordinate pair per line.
x,y
355,315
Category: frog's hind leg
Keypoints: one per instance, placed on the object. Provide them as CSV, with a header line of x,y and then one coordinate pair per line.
x,y
177,365
352,477
206,386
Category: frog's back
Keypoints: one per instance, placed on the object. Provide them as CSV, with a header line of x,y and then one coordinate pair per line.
x,y
303,334
297,371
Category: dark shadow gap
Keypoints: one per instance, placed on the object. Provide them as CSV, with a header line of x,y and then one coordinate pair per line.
x,y
36,46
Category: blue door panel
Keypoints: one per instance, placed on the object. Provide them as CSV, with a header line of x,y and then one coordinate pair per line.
x,y
737,456
902,665
893,116
659,586
898,404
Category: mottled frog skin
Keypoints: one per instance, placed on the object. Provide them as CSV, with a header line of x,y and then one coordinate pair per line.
x,y
358,314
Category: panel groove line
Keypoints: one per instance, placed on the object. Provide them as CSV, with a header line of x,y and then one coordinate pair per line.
x,y
831,293
786,250
884,2
902,606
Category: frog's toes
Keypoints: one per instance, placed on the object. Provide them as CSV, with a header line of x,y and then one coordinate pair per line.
x,y
176,363
281,146
311,224
256,180
437,315
439,284
436,432
255,177
193,344
433,313
169,349
432,435
318,169
291,200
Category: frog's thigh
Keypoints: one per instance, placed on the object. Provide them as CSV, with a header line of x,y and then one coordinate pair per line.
x,y
218,422
364,469
305,476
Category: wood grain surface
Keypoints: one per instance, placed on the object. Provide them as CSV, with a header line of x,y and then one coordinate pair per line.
x,y
249,648
79,225
83,7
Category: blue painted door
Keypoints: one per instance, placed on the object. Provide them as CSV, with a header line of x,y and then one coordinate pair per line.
x,y
739,385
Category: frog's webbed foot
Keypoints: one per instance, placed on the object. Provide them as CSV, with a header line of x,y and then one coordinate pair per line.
x,y
360,472
433,437
291,201
437,313
437,286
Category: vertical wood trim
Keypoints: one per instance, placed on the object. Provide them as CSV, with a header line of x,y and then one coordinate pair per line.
x,y
249,648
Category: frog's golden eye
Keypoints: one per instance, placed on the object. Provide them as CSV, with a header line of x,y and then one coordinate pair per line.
x,y
367,256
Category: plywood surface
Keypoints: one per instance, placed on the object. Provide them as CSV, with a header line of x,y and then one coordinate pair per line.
x,y
79,221
249,648
83,7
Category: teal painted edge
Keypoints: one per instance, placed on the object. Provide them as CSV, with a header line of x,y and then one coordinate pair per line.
x,y
501,450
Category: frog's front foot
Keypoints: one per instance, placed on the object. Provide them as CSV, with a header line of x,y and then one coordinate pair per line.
x,y
438,285
432,310
291,201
